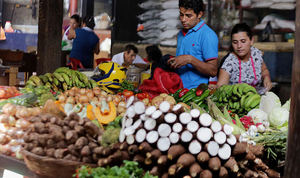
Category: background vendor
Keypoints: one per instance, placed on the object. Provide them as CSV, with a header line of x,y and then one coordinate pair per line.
x,y
244,64
129,57
197,46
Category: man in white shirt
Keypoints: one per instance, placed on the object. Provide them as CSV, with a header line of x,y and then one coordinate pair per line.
x,y
129,57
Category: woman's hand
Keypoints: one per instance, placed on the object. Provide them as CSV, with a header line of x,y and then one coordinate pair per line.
x,y
267,83
179,61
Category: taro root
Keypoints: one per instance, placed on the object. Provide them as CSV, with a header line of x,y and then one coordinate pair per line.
x,y
91,129
81,142
38,151
85,151
79,129
60,153
50,152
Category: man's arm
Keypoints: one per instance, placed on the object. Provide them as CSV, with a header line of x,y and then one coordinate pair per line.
x,y
71,34
142,66
266,76
209,68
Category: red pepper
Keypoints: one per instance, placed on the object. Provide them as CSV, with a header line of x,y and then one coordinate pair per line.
x,y
141,96
199,92
128,93
183,92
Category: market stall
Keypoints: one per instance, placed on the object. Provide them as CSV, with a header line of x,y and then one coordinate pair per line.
x,y
64,123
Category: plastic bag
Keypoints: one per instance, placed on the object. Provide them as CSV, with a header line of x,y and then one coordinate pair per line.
x,y
170,13
172,4
102,21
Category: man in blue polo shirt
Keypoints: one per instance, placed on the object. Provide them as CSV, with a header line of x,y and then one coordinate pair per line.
x,y
197,46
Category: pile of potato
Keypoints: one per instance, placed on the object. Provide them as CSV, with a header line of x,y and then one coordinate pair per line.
x,y
69,138
13,123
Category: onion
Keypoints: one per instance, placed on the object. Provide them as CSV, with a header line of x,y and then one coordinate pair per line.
x,y
36,111
82,91
12,120
4,118
23,113
103,93
70,100
12,132
109,98
22,124
61,98
90,94
94,100
83,99
97,91
9,109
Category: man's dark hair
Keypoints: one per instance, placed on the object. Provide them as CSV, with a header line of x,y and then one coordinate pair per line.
x,y
153,53
131,47
77,18
241,27
196,5
89,22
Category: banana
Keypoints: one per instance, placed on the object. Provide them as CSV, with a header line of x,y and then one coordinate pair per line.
x,y
242,101
93,83
61,69
48,85
65,86
82,77
249,89
55,81
66,78
58,76
54,87
241,87
251,99
255,103
49,76
43,78
30,82
235,90
36,80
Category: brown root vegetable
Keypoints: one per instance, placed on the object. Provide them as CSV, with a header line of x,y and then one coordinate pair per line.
x,y
85,151
250,156
101,162
68,157
79,129
195,170
206,174
154,171
133,149
185,160
165,175
38,151
260,164
50,152
240,148
177,109
257,150
154,155
98,150
106,151
250,174
148,161
157,100
65,129
58,136
86,159
71,136
162,160
272,174
61,144
232,165
145,147
60,153
139,158
51,143
203,157
40,128
72,124
91,129
175,151
172,170
223,173
124,146
214,163
92,145
81,142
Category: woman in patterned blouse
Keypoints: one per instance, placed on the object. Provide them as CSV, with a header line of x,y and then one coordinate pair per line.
x,y
244,64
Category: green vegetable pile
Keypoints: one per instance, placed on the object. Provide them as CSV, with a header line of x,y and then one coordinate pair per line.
x,y
275,143
126,85
129,170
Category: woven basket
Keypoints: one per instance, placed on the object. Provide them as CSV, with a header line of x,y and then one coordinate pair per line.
x,y
49,167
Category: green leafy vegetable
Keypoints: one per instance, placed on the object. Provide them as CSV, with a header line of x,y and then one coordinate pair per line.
x,y
126,85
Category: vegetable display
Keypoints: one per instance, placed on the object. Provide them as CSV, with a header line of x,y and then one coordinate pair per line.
x,y
238,98
13,124
61,80
8,92
70,138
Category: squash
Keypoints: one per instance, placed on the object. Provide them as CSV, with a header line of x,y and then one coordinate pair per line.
x,y
105,118
90,112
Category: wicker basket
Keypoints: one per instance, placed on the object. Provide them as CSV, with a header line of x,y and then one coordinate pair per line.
x,y
49,167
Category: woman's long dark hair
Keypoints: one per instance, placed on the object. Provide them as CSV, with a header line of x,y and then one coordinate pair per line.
x,y
89,22
154,54
241,27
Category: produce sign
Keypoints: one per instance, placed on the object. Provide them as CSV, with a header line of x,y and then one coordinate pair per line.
x,y
13,123
239,98
61,80
70,138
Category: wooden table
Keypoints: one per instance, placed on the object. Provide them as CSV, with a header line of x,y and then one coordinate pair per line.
x,y
15,165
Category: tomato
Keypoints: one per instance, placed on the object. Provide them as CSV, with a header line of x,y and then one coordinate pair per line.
x,y
128,93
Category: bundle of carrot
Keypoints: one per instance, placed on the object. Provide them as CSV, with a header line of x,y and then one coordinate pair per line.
x,y
171,142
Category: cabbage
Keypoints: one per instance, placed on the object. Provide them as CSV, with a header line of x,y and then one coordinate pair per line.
x,y
269,101
278,117
287,105
258,115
